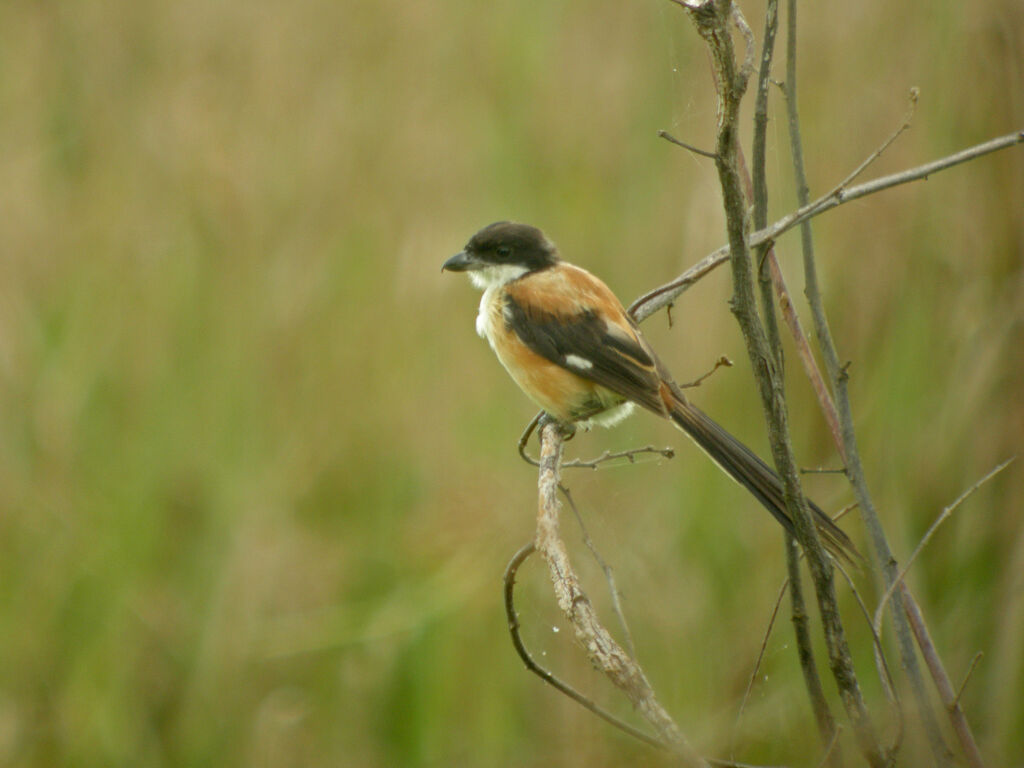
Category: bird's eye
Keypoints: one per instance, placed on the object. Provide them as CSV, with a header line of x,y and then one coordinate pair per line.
x,y
504,251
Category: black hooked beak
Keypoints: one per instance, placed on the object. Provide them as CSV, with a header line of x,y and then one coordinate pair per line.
x,y
462,262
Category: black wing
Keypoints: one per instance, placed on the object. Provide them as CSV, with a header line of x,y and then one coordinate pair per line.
x,y
592,348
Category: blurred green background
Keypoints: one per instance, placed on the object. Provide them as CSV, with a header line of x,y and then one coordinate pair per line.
x,y
258,480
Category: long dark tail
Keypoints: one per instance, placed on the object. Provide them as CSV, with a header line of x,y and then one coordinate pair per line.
x,y
746,468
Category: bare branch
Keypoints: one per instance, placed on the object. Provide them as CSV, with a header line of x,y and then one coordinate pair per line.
x,y
712,20
604,653
650,302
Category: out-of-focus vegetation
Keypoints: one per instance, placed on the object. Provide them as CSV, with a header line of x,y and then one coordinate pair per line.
x,y
258,480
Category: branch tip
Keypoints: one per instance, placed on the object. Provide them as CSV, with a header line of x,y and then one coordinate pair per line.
x,y
696,150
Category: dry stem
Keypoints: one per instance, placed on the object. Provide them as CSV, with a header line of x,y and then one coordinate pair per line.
x,y
602,650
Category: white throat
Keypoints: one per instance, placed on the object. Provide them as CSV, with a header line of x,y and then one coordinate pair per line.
x,y
491,280
496,276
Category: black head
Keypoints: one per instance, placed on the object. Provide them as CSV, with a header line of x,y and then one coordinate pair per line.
x,y
505,243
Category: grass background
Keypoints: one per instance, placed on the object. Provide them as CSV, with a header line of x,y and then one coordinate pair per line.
x,y
257,474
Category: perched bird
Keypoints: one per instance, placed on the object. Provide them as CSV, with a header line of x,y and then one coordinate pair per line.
x,y
573,349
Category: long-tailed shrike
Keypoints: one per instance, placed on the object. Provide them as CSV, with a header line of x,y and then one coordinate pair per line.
x,y
570,345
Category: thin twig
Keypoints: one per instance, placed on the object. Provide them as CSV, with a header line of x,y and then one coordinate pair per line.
x,y
630,454
831,746
970,671
844,512
755,672
928,536
545,675
722,362
525,438
908,118
696,150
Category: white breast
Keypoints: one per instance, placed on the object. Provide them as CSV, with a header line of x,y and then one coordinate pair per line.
x,y
492,280
483,320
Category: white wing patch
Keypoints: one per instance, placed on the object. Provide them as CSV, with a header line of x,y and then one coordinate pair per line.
x,y
577,362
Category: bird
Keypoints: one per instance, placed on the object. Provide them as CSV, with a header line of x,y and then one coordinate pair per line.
x,y
574,350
